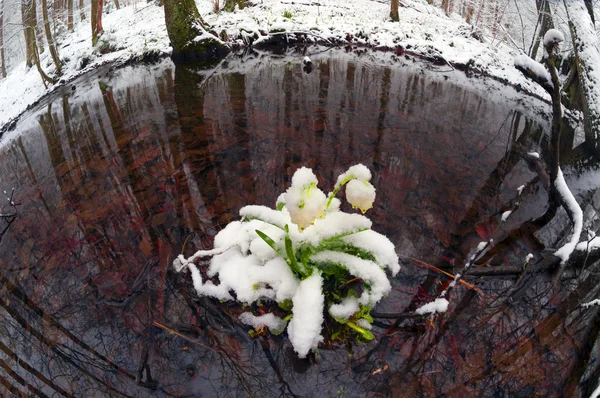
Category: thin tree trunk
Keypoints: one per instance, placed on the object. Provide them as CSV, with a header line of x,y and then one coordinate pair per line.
x,y
70,15
36,56
36,61
51,43
545,21
3,65
446,6
27,31
470,11
394,11
38,29
81,10
117,4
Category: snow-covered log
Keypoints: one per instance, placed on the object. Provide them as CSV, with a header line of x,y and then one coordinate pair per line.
x,y
586,44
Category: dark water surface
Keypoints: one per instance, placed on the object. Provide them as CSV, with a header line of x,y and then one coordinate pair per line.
x,y
114,175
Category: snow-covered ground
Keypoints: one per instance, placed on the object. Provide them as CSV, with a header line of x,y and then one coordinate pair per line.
x,y
134,31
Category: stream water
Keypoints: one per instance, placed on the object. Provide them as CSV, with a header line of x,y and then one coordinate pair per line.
x,y
121,171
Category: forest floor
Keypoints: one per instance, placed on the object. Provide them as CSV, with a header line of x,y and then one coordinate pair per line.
x,y
137,33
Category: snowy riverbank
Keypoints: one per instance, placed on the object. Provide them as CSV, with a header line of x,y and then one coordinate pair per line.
x,y
132,32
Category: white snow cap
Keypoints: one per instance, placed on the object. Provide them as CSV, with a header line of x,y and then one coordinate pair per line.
x,y
345,309
360,194
553,36
306,61
275,324
438,305
358,171
304,330
304,201
565,251
505,215
533,66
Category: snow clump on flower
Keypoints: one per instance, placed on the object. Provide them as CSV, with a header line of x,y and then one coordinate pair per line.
x,y
360,194
303,200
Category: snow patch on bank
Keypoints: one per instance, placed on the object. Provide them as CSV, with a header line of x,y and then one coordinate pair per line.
x,y
132,31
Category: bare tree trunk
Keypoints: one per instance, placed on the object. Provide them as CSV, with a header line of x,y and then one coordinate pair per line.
x,y
480,12
51,43
545,22
27,31
38,29
81,10
470,11
117,4
70,15
3,65
586,45
29,7
394,11
96,17
446,6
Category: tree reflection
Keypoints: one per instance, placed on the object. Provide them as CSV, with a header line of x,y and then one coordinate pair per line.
x,y
131,169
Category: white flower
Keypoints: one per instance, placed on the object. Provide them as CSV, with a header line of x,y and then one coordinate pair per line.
x,y
361,194
358,171
303,200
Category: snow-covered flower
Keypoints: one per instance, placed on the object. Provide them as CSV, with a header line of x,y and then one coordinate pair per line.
x,y
358,171
303,200
287,254
360,194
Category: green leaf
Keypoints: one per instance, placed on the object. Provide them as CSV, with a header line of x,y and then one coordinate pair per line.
x,y
340,246
335,335
268,241
343,321
366,334
286,305
342,235
289,250
288,317
329,268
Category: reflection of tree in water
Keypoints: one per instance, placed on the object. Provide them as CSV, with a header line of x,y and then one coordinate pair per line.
x,y
116,184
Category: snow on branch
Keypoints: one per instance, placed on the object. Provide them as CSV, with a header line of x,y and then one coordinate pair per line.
x,y
534,70
575,213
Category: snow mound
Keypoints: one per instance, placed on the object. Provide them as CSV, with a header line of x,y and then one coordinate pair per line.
x,y
553,36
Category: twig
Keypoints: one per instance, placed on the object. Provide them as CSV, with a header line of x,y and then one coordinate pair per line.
x,y
185,242
436,269
176,333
